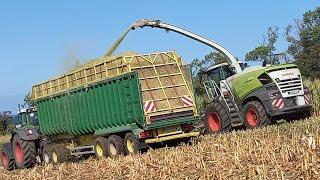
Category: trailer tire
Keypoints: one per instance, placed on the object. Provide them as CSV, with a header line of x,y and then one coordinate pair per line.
x,y
100,147
59,154
131,144
115,146
24,152
255,115
7,163
216,118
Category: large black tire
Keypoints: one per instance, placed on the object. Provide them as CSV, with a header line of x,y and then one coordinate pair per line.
x,y
216,119
100,147
59,153
255,115
24,152
115,146
8,163
131,144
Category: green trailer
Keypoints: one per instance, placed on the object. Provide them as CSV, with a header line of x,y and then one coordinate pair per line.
x,y
109,107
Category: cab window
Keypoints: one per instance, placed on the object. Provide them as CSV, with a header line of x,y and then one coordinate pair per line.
x,y
226,72
215,75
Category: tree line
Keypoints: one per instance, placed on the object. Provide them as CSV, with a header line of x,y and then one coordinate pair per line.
x,y
303,38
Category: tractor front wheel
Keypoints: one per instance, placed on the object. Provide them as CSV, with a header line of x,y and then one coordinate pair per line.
x,y
255,115
7,163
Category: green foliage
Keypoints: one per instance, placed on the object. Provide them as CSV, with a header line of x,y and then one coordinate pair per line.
x,y
261,52
265,51
305,45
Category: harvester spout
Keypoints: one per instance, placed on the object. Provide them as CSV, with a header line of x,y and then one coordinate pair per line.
x,y
158,24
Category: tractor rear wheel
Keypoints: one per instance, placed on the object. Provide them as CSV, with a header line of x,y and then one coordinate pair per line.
x,y
24,152
255,115
216,119
115,146
7,163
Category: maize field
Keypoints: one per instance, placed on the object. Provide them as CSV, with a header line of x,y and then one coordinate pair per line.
x,y
283,151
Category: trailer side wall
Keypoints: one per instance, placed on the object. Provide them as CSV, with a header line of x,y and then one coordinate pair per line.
x,y
111,103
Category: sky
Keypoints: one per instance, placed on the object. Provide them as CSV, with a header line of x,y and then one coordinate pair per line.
x,y
40,39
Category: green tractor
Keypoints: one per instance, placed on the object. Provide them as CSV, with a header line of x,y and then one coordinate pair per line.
x,y
24,141
253,96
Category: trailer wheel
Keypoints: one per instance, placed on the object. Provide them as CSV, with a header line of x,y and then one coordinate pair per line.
x,y
115,146
59,154
131,144
216,119
7,163
255,115
46,157
100,147
24,152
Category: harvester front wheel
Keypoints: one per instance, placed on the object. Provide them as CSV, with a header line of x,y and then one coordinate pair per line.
x,y
7,163
59,153
24,152
100,147
216,119
255,115
115,146
130,144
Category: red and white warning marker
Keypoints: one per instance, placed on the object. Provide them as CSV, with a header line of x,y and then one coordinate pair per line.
x,y
149,106
307,98
187,100
278,103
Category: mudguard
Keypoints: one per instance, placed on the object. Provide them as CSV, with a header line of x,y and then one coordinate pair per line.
x,y
27,133
263,94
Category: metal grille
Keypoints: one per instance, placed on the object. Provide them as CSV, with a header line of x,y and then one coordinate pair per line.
x,y
289,86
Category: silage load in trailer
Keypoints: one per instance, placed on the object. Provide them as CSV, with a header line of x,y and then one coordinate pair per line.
x,y
165,82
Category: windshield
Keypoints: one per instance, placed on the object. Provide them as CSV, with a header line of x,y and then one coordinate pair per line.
x,y
30,119
34,119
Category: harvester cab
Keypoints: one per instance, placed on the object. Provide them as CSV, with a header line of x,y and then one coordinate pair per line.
x,y
238,96
221,72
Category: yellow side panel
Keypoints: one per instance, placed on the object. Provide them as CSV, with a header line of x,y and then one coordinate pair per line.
x,y
166,85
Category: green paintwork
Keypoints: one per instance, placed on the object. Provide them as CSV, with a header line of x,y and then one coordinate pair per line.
x,y
172,122
116,129
111,104
244,84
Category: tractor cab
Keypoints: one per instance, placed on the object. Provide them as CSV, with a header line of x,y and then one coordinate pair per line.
x,y
221,72
28,117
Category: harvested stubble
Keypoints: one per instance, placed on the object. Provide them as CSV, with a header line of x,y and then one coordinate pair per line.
x,y
285,151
